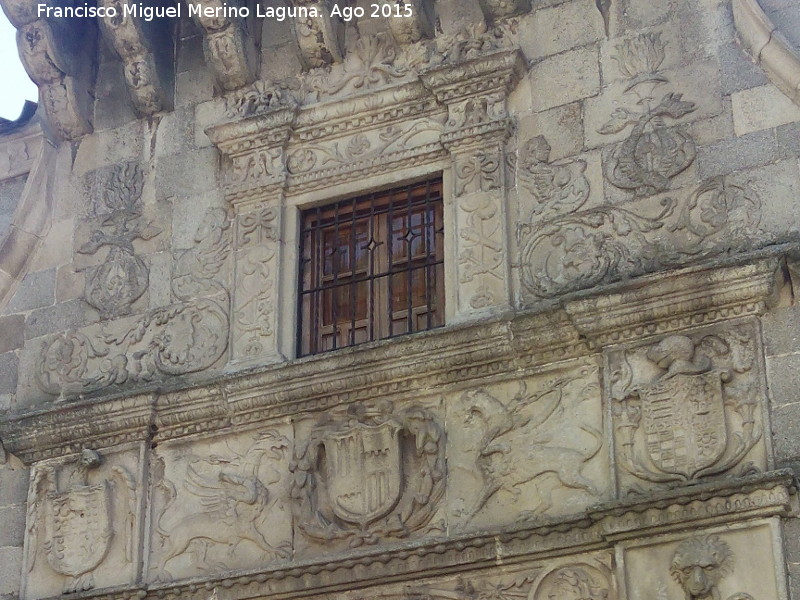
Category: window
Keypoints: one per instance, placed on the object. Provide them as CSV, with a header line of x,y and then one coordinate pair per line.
x,y
371,267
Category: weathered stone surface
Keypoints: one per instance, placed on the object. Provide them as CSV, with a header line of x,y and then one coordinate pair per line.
x,y
615,381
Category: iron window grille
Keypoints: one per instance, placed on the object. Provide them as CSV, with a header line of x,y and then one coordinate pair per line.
x,y
371,267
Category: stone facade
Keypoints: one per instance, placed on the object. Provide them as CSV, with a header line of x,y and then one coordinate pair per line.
x,y
609,412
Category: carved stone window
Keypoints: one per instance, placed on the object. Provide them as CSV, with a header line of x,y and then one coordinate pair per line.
x,y
372,267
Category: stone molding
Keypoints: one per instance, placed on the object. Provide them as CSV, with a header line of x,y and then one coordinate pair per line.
x,y
768,47
32,216
406,366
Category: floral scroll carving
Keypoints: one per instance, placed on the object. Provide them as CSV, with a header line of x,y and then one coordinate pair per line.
x,y
686,408
186,336
370,474
580,250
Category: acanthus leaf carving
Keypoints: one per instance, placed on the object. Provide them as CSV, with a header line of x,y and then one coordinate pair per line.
x,y
184,337
370,474
580,250
686,408
319,35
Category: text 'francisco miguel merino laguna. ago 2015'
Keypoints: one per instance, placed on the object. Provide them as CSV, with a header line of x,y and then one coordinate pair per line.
x,y
280,13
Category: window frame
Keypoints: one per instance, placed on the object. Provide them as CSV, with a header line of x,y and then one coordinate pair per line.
x,y
382,201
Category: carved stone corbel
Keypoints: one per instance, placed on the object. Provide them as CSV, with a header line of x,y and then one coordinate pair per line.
x,y
411,20
319,38
229,49
254,176
50,60
475,93
126,34
499,9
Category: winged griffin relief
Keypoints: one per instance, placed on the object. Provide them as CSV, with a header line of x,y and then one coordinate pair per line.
x,y
81,517
368,474
223,512
536,452
687,407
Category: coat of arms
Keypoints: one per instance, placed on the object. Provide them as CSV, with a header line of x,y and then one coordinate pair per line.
x,y
685,408
76,524
369,473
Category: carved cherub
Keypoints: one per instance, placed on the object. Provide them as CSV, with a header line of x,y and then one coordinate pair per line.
x,y
699,564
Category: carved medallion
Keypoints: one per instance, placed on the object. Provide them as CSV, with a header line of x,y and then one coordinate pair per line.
x,y
574,582
686,407
368,474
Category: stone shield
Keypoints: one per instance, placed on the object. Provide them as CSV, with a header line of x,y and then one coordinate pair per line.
x,y
684,423
80,525
364,471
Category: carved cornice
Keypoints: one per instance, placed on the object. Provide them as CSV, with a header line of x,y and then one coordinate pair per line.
x,y
497,72
402,367
768,47
67,429
661,303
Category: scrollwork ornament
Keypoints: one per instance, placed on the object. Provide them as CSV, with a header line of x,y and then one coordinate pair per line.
x,y
370,474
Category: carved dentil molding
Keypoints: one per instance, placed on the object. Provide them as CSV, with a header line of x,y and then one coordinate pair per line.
x,y
769,47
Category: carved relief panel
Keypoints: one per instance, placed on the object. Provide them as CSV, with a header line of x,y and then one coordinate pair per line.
x,y
83,523
369,473
523,449
740,562
220,504
688,407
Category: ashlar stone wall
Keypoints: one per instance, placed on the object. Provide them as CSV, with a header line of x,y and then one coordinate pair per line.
x,y
609,412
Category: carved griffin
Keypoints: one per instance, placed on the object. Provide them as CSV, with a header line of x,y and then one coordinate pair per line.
x,y
233,505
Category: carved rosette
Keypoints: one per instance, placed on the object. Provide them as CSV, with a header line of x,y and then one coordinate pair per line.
x,y
475,93
62,77
368,475
688,407
229,48
126,34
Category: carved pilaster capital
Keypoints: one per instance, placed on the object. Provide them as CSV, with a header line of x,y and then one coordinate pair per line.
x,y
254,162
126,34
475,92
229,47
319,37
